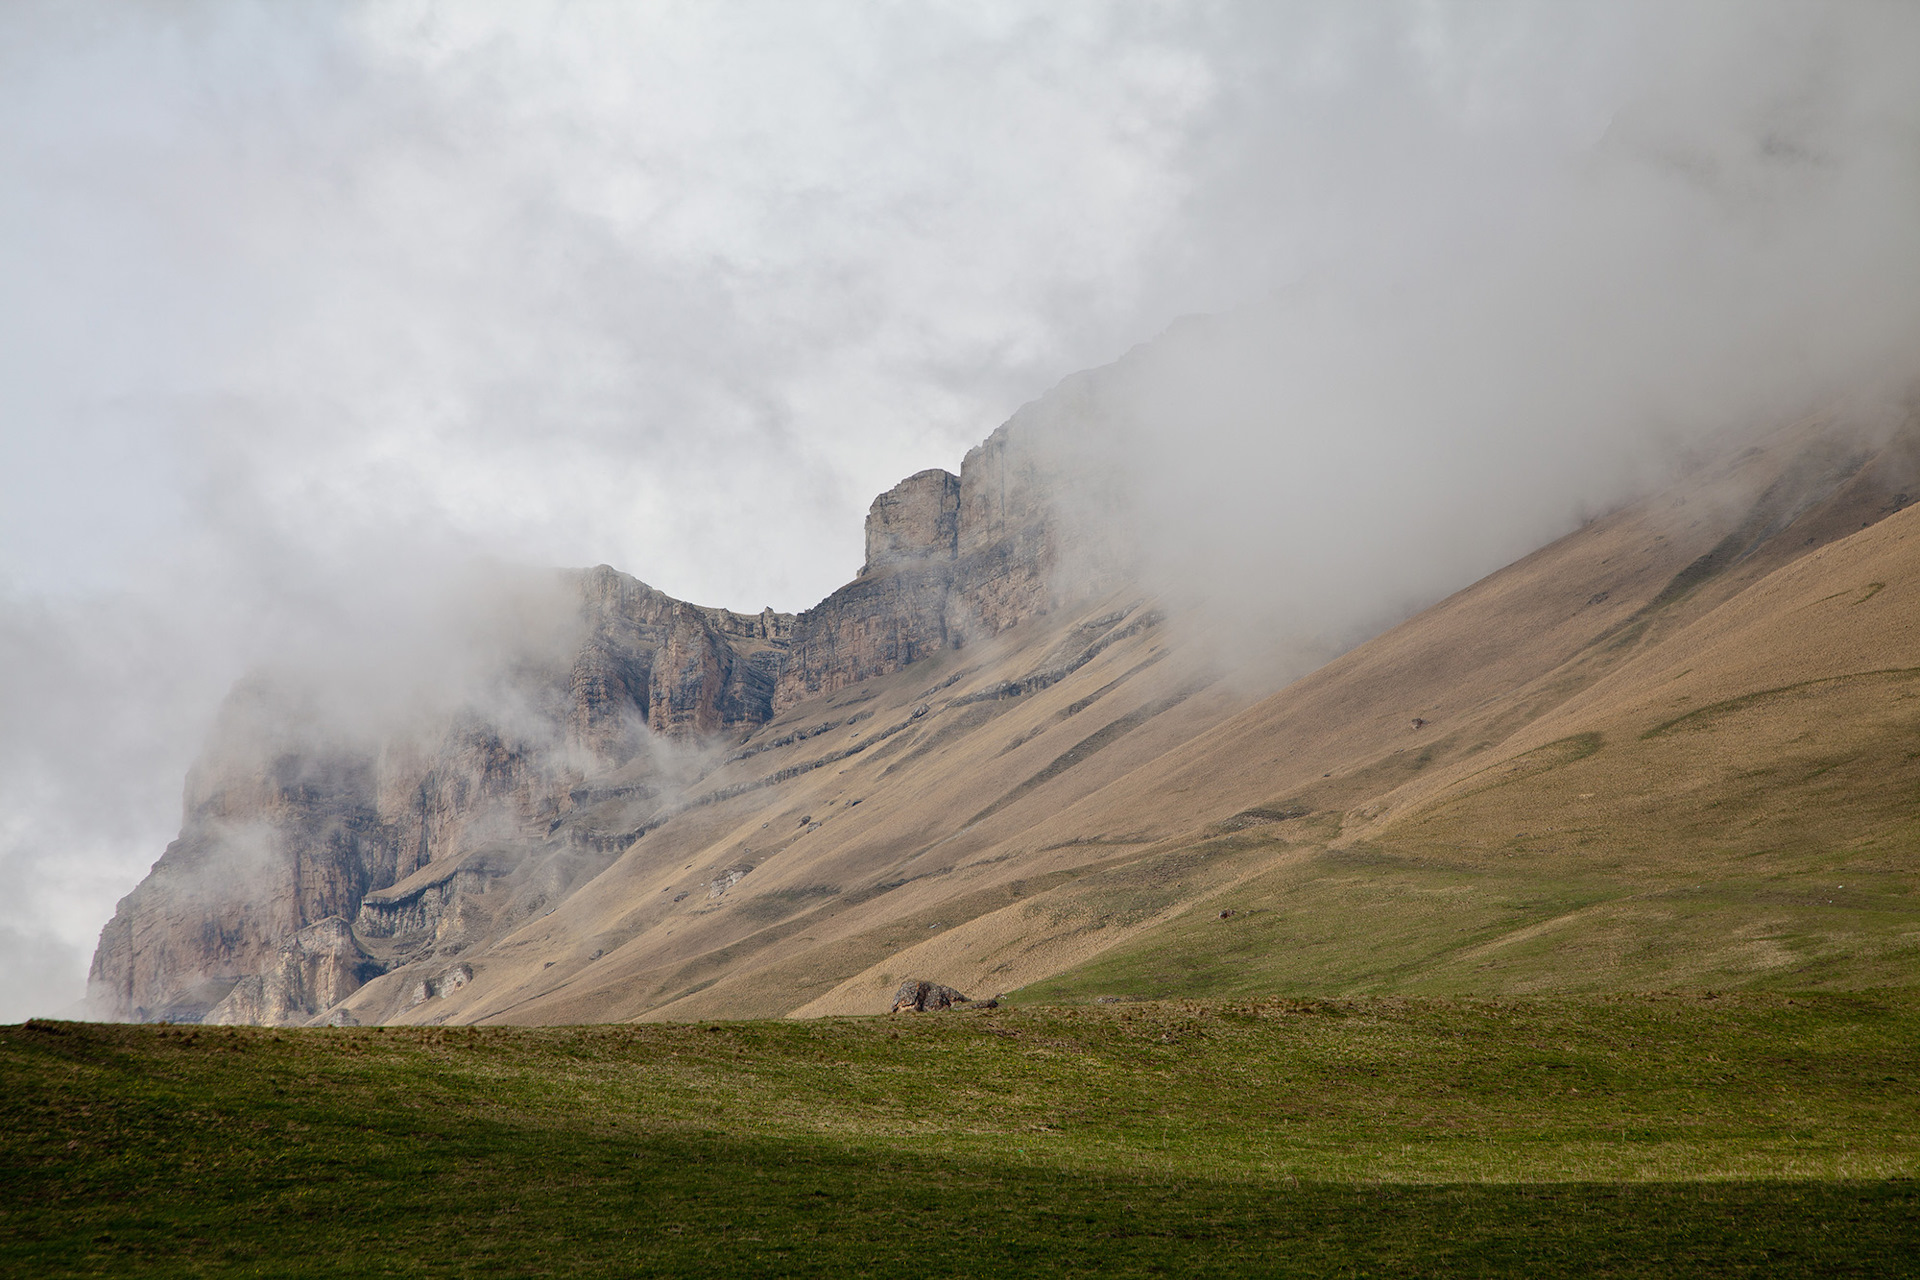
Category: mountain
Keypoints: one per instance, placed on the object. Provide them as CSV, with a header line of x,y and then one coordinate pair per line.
x,y
1678,748
314,855
1633,758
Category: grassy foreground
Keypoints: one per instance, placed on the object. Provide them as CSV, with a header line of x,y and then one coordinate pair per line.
x,y
1651,1135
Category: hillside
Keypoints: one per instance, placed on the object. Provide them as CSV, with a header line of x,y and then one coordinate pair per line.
x,y
331,834
1085,836
1544,1137
1648,754
1625,779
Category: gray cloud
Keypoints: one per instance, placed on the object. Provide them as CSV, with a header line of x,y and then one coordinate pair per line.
x,y
313,307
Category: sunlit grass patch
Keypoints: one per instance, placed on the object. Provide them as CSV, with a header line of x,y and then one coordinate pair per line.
x,y
1734,1134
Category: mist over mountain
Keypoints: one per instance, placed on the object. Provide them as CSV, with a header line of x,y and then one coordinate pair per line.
x,y
337,328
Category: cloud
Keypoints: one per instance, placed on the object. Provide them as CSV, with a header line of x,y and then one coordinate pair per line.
x,y
1567,266
315,306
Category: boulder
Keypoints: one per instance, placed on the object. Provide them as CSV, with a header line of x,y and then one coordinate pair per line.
x,y
916,996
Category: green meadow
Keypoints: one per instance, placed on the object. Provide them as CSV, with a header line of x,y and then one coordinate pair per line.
x,y
1685,1134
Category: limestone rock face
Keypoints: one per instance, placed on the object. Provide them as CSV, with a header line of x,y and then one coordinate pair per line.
x,y
876,624
919,518
650,661
1006,486
317,968
266,849
1027,526
445,829
291,820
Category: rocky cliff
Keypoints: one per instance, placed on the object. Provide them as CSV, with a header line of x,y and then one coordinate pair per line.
x,y
1026,526
312,857
293,823
987,758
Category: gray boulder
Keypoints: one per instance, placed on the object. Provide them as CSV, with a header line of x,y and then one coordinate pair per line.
x,y
916,996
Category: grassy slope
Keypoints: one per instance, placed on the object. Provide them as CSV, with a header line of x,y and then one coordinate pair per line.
x,y
1724,797
1645,1135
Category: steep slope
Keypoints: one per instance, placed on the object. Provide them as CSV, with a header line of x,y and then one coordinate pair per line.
x,y
1713,783
993,760
852,826
1003,813
316,851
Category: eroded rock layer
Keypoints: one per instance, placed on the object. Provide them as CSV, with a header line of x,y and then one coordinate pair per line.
x,y
989,758
313,855
293,821
951,559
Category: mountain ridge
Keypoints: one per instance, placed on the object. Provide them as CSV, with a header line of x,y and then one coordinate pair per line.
x,y
992,758
398,835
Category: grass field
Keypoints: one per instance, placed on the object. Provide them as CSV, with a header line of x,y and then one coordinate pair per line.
x,y
1754,1134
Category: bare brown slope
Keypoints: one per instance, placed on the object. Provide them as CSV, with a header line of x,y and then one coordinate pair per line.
x,y
1477,669
1023,823
888,807
1500,654
1724,795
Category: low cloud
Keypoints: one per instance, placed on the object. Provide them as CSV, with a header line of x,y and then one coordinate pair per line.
x,y
318,307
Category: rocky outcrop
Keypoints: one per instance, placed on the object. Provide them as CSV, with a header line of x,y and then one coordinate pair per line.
x,y
917,519
274,839
917,996
292,818
430,836
650,661
440,985
1026,526
318,967
431,903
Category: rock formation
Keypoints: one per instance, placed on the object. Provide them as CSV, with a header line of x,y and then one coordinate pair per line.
x,y
435,834
916,996
293,824
917,519
950,559
320,965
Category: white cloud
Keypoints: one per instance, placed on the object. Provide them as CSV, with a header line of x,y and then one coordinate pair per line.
x,y
310,303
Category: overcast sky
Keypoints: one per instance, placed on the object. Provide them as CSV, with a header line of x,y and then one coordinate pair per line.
x,y
303,305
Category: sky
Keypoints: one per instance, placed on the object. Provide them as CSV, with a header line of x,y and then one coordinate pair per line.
x,y
307,308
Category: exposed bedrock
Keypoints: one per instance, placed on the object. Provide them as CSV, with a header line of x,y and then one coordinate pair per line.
x,y
917,519
292,817
440,831
1031,522
318,967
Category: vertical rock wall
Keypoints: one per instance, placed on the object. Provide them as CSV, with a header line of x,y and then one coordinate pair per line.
x,y
1030,522
291,820
290,824
917,519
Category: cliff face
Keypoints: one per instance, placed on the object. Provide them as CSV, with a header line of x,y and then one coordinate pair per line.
x,y
917,519
311,858
651,662
954,558
291,821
